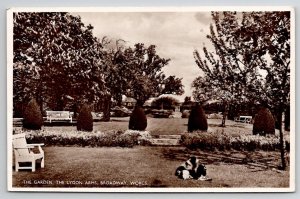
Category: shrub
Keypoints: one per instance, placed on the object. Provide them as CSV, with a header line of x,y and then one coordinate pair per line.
x,y
85,139
221,141
138,119
264,122
197,119
85,119
33,118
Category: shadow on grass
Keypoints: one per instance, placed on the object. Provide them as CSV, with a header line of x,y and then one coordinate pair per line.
x,y
256,161
227,125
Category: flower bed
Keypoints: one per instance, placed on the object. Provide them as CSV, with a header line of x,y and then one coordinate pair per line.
x,y
83,139
222,141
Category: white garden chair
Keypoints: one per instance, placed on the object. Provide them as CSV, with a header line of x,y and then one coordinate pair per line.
x,y
24,154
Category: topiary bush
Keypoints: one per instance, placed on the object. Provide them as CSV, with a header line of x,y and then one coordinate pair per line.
x,y
85,119
264,122
197,119
138,119
33,118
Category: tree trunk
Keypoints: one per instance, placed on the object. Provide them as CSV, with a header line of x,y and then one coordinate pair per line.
x,y
287,119
282,151
106,108
224,115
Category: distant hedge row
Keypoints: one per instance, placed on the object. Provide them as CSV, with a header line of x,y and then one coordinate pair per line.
x,y
223,141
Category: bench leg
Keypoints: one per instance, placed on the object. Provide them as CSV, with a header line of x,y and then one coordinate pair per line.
x,y
17,166
33,166
43,162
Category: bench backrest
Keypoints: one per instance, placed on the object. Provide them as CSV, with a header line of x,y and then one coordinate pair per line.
x,y
58,114
20,144
245,118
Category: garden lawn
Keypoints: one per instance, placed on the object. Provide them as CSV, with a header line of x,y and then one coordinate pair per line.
x,y
165,126
150,167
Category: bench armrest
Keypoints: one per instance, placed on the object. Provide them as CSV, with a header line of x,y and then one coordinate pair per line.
x,y
33,145
29,147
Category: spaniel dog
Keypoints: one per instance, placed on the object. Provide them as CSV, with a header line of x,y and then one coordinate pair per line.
x,y
192,169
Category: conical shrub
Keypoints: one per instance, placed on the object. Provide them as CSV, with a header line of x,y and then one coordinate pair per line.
x,y
264,122
85,119
138,119
32,118
197,119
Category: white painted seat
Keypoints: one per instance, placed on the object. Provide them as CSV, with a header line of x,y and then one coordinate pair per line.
x,y
24,154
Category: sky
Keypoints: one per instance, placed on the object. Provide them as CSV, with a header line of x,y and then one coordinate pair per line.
x,y
175,34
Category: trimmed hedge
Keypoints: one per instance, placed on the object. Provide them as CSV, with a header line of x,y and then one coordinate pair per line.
x,y
138,119
264,122
85,139
85,119
33,118
221,141
197,119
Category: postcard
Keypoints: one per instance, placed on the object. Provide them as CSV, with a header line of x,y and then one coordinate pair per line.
x,y
151,99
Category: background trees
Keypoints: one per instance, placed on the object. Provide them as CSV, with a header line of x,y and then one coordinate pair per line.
x,y
59,62
165,103
230,70
137,72
250,61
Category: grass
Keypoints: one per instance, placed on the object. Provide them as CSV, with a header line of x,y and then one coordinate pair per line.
x,y
164,126
153,166
150,167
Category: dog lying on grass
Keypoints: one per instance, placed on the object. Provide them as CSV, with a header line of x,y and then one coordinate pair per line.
x,y
192,169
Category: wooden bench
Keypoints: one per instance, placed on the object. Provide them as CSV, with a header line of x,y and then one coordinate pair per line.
x,y
244,119
59,116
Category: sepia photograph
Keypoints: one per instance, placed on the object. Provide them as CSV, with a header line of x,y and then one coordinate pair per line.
x,y
179,99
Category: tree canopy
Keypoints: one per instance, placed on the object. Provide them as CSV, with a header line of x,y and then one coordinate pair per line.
x,y
250,61
137,72
56,57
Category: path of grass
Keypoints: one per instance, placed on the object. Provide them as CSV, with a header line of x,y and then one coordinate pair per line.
x,y
150,167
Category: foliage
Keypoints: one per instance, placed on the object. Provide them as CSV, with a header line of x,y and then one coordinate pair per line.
x,y
165,102
222,141
84,139
161,113
245,45
33,118
137,72
231,74
138,119
85,119
264,122
197,119
56,59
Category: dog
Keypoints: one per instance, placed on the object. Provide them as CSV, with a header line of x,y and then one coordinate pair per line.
x,y
191,169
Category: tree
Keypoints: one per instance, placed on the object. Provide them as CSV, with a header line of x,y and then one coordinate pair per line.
x,y
56,57
137,73
244,47
230,70
274,29
165,102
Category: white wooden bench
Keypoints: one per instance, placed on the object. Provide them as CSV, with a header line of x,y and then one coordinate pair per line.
x,y
244,119
59,116
23,153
